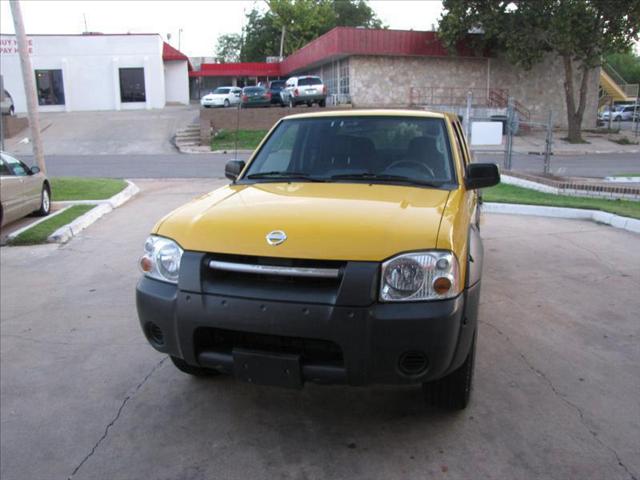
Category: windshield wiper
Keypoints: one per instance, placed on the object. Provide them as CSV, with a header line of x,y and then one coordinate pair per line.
x,y
385,177
285,176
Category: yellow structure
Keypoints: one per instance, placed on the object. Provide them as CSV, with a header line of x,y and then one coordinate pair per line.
x,y
613,89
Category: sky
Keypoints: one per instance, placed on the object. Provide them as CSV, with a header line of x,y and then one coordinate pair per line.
x,y
201,21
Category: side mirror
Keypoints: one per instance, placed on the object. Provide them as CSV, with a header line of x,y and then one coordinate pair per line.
x,y
35,169
233,168
482,175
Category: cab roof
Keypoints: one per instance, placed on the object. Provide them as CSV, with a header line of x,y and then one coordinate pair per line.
x,y
370,113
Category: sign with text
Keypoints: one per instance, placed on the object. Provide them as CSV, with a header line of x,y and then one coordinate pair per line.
x,y
9,46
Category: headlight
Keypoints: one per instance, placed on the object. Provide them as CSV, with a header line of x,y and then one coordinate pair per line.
x,y
161,259
430,275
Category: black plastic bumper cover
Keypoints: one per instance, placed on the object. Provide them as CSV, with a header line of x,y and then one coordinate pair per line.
x,y
372,338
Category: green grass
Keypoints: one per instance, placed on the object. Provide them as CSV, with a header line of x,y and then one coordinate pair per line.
x,y
73,188
40,232
247,139
626,174
510,194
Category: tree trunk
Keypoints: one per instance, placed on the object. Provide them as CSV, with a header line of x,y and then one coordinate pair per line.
x,y
575,115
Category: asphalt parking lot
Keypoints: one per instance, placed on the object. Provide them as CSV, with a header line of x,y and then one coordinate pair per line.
x,y
556,393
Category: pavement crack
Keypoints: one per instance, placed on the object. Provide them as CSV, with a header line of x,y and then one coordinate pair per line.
x,y
116,417
564,399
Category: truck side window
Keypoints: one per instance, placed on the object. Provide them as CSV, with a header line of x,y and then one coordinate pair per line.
x,y
460,143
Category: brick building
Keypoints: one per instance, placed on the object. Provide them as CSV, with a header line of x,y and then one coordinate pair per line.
x,y
374,68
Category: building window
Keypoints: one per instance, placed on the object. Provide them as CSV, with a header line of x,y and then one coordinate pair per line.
x,y
344,76
132,85
50,87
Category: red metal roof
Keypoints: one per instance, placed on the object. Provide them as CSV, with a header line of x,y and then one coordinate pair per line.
x,y
341,42
171,54
246,69
347,41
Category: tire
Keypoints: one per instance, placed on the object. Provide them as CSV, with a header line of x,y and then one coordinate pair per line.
x,y
45,202
184,367
309,104
226,103
292,104
322,103
12,111
453,392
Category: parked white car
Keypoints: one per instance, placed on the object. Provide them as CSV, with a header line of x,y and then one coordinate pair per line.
x,y
308,90
620,113
222,97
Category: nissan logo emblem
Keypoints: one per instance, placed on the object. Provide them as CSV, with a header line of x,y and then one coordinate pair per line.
x,y
276,237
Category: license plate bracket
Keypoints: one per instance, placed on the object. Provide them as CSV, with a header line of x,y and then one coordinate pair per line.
x,y
266,368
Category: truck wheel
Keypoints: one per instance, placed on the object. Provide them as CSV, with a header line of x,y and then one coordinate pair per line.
x,y
191,370
309,104
322,103
292,104
227,104
45,202
453,391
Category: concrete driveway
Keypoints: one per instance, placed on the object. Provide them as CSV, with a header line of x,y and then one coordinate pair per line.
x,y
108,133
556,391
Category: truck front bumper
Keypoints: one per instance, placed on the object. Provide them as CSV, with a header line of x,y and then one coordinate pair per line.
x,y
383,343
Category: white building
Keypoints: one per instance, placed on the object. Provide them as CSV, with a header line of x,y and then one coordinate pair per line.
x,y
97,72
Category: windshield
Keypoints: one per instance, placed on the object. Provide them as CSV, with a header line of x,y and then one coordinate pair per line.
x,y
372,149
309,81
254,90
221,91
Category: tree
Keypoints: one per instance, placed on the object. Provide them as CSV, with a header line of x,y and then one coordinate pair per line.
x,y
579,32
228,48
303,20
627,64
355,14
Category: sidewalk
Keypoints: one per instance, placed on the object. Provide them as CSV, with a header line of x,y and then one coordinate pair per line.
x,y
534,143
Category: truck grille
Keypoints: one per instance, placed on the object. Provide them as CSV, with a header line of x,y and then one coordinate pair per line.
x,y
316,281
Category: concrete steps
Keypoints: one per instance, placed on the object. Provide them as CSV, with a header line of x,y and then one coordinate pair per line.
x,y
188,137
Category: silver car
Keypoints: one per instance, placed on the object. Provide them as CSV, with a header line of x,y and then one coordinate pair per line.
x,y
23,190
308,90
620,113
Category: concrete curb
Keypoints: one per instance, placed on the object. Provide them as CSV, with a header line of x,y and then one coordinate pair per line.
x,y
623,179
118,199
67,232
616,221
570,192
559,153
568,153
13,235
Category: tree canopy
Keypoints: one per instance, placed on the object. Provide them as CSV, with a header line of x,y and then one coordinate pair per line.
x,y
303,20
627,64
580,32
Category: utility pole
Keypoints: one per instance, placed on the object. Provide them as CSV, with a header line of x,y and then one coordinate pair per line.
x,y
29,85
284,28
179,37
86,29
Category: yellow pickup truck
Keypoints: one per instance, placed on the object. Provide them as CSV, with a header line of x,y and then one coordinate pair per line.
x,y
346,250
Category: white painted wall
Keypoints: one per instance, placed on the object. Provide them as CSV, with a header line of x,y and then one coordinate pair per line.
x,y
89,67
176,81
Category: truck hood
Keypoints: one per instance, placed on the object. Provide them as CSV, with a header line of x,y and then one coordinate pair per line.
x,y
324,221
